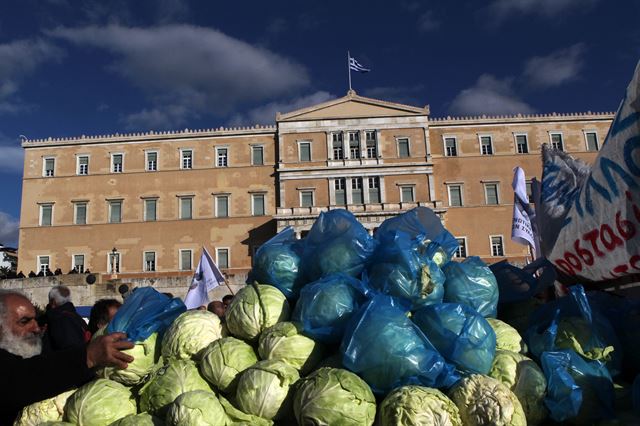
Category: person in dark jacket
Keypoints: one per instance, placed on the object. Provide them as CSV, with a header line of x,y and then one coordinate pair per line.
x,y
28,375
65,328
102,313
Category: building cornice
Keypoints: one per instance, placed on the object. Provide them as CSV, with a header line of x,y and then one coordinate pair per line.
x,y
520,118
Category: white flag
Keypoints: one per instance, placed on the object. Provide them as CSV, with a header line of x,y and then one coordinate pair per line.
x,y
522,231
206,278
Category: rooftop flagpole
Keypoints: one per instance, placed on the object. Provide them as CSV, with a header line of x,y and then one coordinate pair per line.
x,y
349,68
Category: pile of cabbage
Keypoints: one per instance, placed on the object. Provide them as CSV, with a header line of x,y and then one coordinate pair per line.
x,y
344,328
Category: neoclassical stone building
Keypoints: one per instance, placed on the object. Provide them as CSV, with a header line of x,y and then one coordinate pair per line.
x,y
143,204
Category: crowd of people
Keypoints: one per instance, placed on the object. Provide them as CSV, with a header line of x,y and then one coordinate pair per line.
x,y
43,356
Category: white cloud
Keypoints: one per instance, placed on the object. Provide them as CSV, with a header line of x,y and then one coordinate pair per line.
x,y
197,69
9,230
556,68
11,155
427,22
501,9
266,114
489,96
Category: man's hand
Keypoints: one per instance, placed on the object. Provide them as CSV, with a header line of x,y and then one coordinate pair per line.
x,y
105,351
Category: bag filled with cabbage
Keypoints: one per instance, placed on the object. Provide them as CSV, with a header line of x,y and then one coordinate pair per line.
x,y
578,391
325,306
277,262
337,242
387,350
471,283
400,267
460,334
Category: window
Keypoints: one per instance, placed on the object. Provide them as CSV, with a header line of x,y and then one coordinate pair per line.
x,y
354,145
497,249
83,165
450,147
185,260
186,204
304,151
113,262
403,147
522,147
338,153
222,258
43,263
80,213
461,251
341,196
222,157
529,191
491,193
556,141
486,145
306,198
150,209
257,155
592,141
455,195
78,263
149,261
115,211
49,167
152,161
257,204
372,143
46,214
186,159
356,191
407,194
116,163
222,206
374,189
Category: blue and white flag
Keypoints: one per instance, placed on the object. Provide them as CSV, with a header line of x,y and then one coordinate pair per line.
x,y
355,66
522,228
206,278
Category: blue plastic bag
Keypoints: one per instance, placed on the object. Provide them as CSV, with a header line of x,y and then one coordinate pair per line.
x,y
519,284
463,336
472,283
387,350
337,242
145,312
398,268
571,323
277,262
577,390
422,222
325,306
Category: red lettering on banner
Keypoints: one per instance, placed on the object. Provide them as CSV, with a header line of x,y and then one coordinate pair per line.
x,y
614,240
625,227
592,236
584,254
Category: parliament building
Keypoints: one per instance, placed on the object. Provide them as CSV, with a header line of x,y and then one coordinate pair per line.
x,y
144,204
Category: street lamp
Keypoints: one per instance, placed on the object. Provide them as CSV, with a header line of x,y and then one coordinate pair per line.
x,y
114,253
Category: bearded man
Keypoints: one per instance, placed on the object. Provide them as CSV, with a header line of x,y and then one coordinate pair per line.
x,y
29,376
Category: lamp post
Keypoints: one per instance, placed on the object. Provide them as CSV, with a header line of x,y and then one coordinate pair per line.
x,y
114,253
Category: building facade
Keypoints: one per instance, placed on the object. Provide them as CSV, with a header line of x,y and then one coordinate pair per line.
x,y
144,204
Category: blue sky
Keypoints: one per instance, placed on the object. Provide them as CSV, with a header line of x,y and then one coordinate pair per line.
x,y
73,67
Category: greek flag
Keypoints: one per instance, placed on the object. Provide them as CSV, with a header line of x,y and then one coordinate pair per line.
x,y
355,66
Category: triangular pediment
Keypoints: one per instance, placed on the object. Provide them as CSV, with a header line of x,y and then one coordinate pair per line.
x,y
352,106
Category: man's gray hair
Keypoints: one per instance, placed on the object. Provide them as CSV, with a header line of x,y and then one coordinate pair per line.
x,y
4,295
60,294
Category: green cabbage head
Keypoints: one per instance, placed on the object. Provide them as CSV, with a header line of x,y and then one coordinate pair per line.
x,y
142,419
483,400
223,361
263,389
240,418
255,308
196,408
507,337
334,396
51,409
525,379
169,382
283,341
145,357
418,405
190,333
99,403
575,333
